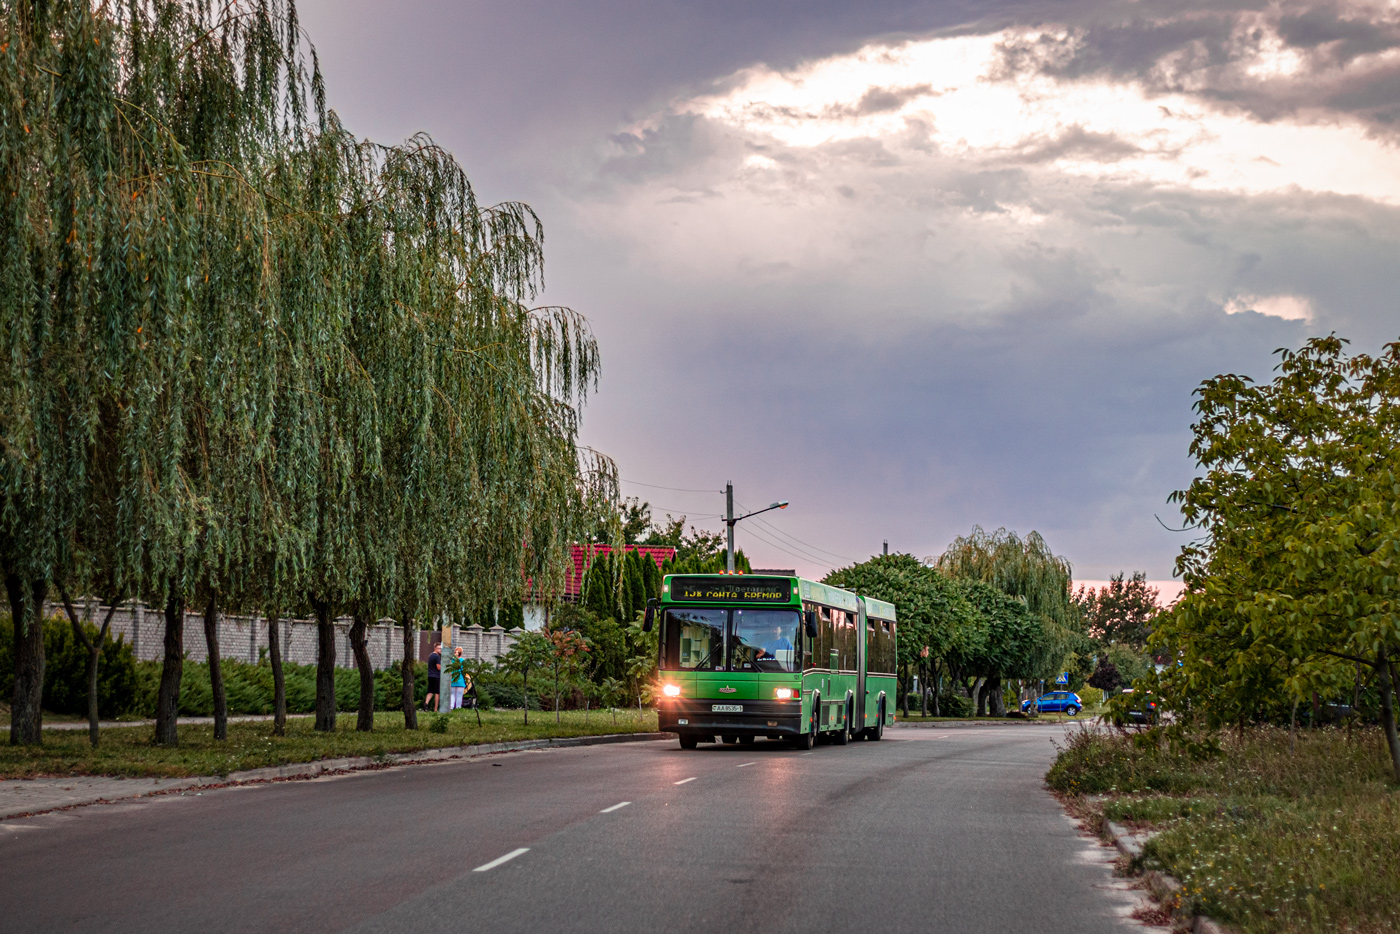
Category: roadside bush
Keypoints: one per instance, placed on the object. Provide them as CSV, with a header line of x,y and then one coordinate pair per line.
x,y
954,705
65,670
249,688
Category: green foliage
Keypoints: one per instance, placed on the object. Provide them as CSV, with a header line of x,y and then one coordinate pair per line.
x,y
249,688
65,674
1293,583
973,627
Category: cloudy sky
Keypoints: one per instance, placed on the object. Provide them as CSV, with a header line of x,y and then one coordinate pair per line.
x,y
916,266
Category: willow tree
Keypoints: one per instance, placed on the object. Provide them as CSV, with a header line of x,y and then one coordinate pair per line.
x,y
1026,569
469,434
95,312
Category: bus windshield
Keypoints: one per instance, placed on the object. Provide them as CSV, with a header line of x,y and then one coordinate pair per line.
x,y
764,640
694,639
714,639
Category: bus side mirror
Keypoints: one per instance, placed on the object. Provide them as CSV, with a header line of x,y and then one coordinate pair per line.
x,y
650,618
810,623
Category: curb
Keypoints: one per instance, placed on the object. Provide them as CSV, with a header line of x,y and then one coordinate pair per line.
x,y
305,770
1165,888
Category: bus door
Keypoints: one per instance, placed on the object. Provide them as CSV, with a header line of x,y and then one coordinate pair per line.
x,y
862,654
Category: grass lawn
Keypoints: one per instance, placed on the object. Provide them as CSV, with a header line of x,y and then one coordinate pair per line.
x,y
989,720
1260,838
129,751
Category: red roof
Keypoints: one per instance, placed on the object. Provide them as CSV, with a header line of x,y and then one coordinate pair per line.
x,y
582,556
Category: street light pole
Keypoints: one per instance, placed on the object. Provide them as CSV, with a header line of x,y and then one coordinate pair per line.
x,y
730,519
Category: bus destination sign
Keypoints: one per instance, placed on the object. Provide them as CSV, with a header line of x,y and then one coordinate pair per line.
x,y
739,589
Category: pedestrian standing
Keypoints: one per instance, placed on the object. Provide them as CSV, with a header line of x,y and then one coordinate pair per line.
x,y
459,676
434,677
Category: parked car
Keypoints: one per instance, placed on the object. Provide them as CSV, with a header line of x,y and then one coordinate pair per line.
x,y
1134,707
1066,702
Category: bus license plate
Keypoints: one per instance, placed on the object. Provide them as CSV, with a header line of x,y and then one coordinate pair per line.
x,y
727,708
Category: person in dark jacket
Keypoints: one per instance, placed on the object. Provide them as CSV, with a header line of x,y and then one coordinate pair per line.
x,y
434,677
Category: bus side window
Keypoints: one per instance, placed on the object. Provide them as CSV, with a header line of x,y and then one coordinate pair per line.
x,y
827,640
811,657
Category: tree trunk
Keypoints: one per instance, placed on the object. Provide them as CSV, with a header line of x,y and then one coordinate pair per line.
x,y
359,645
171,671
27,700
94,657
1387,687
979,704
996,702
923,690
216,668
1293,729
325,667
406,669
933,676
279,677
904,692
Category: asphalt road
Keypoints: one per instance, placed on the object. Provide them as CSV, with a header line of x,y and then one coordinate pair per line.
x,y
928,830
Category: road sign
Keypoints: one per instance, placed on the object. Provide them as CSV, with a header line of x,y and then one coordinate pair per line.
x,y
1063,678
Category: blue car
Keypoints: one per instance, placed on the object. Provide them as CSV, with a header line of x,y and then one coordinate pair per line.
x,y
1066,702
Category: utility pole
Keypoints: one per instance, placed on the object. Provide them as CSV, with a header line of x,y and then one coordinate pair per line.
x,y
887,548
729,524
730,519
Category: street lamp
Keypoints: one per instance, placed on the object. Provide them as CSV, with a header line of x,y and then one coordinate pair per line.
x,y
730,519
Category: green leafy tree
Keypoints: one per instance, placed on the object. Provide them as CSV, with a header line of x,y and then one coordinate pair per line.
x,y
531,652
1299,503
1120,611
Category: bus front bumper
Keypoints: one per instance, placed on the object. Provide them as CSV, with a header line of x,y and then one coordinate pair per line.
x,y
754,718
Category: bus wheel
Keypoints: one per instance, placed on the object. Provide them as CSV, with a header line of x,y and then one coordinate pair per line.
x,y
689,740
805,741
842,736
874,733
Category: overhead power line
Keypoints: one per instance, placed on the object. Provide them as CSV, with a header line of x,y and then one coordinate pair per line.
x,y
674,489
797,542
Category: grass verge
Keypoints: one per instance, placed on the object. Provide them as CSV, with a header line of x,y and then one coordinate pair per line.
x,y
1265,839
130,752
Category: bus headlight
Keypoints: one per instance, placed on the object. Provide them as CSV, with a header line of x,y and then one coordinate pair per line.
x,y
783,693
672,690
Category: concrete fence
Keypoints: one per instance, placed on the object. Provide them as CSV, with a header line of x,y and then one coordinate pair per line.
x,y
244,638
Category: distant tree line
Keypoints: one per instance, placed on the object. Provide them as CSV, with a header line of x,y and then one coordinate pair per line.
x,y
995,610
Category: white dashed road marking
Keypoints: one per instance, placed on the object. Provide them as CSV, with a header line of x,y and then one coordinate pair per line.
x,y
615,807
502,859
684,780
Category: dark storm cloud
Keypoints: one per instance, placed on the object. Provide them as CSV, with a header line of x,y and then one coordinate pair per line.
x,y
1211,52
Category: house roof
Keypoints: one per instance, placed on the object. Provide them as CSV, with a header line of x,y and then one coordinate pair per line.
x,y
582,556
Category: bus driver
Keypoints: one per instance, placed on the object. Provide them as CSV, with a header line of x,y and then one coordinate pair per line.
x,y
776,647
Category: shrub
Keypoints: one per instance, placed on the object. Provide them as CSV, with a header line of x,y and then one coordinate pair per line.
x,y
65,670
954,705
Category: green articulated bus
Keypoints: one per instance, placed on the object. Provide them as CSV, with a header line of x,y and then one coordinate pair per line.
x,y
746,655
